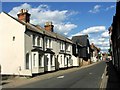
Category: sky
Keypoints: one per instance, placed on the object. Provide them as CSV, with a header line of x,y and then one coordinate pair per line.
x,y
71,18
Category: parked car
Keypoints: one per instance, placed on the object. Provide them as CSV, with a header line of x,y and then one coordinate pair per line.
x,y
107,59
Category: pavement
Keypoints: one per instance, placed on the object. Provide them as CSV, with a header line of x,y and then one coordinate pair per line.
x,y
110,78
19,81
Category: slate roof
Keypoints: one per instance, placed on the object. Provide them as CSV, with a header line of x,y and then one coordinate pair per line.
x,y
82,40
93,47
40,30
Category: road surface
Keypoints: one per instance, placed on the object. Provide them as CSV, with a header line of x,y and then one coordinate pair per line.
x,y
84,78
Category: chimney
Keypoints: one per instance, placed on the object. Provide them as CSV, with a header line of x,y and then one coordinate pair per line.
x,y
48,26
23,15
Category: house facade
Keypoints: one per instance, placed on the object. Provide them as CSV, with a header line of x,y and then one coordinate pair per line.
x,y
114,32
29,49
13,54
84,48
76,55
94,54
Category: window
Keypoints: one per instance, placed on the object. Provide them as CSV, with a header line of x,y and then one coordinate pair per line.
x,y
27,61
34,59
88,50
68,47
76,49
49,43
13,38
46,42
38,41
34,40
61,46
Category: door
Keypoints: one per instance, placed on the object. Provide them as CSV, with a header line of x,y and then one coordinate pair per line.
x,y
46,62
27,61
40,60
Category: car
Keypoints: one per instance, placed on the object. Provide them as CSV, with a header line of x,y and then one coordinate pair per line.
x,y
107,59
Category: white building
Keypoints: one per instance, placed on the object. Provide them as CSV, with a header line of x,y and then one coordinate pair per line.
x,y
22,46
95,51
27,49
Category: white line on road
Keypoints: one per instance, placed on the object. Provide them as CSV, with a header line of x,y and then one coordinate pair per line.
x,y
102,75
90,73
60,77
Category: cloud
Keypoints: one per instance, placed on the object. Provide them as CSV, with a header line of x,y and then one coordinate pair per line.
x,y
105,48
95,9
101,39
110,7
97,35
42,14
102,43
105,34
64,28
91,30
15,10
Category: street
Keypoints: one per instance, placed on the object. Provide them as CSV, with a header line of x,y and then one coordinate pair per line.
x,y
84,78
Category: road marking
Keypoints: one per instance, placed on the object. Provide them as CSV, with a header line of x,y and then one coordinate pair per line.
x,y
60,77
102,75
90,73
0,87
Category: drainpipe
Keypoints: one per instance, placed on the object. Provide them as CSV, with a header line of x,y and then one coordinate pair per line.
x,y
43,36
65,54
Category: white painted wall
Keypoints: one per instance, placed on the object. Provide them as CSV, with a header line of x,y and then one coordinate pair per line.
x,y
94,59
61,61
69,51
55,46
29,47
12,52
75,60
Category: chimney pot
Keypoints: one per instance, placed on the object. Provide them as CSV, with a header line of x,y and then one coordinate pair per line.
x,y
48,26
23,15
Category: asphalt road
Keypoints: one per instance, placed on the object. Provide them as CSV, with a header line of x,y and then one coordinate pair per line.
x,y
84,78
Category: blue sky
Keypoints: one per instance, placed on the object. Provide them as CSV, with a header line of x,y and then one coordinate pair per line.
x,y
71,18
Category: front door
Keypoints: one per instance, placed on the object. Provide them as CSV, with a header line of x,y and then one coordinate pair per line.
x,y
27,61
46,62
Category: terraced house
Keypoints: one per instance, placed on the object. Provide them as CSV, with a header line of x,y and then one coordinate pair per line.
x,y
28,49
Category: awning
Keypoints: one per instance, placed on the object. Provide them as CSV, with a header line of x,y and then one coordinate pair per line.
x,y
38,50
49,51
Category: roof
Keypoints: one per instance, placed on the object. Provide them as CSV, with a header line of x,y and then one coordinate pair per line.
x,y
82,40
39,29
93,47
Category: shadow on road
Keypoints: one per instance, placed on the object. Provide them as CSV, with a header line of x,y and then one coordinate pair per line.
x,y
113,77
